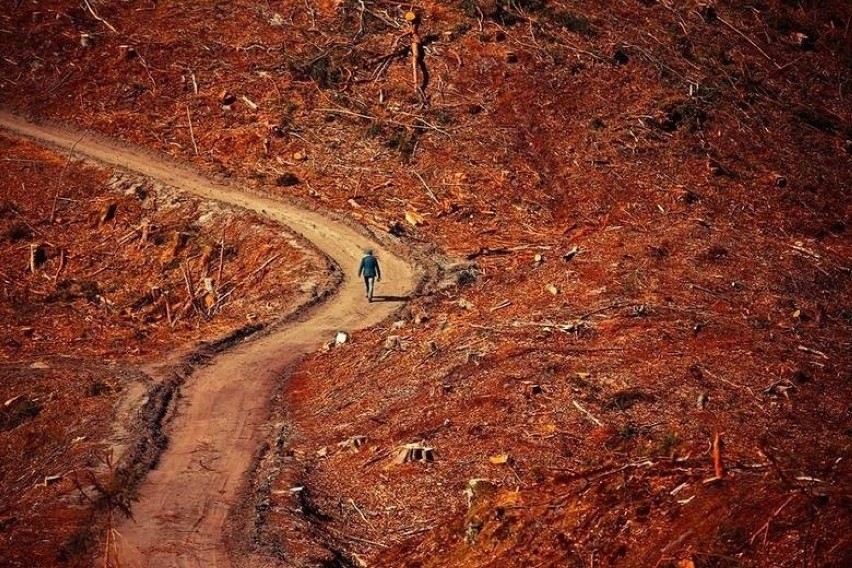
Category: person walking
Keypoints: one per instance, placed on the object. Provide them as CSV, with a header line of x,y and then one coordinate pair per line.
x,y
370,270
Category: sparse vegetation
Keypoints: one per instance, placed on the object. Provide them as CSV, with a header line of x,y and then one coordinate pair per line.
x,y
404,142
18,412
648,138
576,23
287,179
320,69
71,331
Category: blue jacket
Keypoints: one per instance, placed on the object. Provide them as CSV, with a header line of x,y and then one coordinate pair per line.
x,y
369,267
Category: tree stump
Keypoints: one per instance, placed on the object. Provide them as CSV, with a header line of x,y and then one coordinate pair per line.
x,y
38,256
108,213
414,453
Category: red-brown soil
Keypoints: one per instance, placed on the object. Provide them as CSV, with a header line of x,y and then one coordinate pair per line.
x,y
101,290
74,331
199,433
697,156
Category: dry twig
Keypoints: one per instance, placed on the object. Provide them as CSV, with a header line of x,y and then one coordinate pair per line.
x,y
61,176
590,416
191,131
748,39
98,18
765,528
221,259
425,185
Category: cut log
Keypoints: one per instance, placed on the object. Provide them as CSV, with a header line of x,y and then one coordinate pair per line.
x,y
167,305
532,389
51,479
479,488
393,343
413,218
499,459
416,47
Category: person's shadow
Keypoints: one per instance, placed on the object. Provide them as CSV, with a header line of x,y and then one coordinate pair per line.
x,y
378,298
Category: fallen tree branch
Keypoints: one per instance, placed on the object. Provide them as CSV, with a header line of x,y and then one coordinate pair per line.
x,y
191,131
61,176
765,528
563,327
748,39
61,81
804,349
189,288
614,306
356,539
24,219
425,185
422,126
590,416
262,266
98,18
61,264
748,389
221,260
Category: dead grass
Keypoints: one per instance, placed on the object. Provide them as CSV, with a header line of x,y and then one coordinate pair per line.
x,y
651,136
70,331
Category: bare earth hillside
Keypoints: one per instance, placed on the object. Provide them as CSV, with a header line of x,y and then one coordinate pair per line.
x,y
94,289
643,355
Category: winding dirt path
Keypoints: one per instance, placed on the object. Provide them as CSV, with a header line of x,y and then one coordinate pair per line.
x,y
183,504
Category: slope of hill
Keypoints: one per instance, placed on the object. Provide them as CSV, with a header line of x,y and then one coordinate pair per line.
x,y
682,169
96,320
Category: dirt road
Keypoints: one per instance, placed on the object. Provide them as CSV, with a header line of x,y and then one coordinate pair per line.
x,y
224,408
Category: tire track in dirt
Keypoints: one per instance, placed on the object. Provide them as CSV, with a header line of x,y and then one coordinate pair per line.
x,y
183,503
